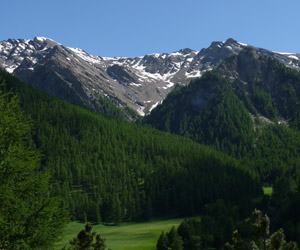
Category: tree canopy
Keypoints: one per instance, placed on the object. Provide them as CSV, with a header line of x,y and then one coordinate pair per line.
x,y
29,217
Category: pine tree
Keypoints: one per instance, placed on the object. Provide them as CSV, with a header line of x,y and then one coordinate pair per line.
x,y
175,241
85,240
29,217
261,227
162,243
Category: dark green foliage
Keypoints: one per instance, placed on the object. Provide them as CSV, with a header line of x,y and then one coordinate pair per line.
x,y
284,208
190,231
218,221
276,154
110,170
107,106
208,112
169,241
175,241
163,242
263,102
213,229
255,118
263,240
215,111
203,233
225,123
85,240
29,217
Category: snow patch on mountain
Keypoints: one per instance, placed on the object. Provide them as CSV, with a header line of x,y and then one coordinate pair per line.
x,y
293,57
129,81
154,106
85,56
243,44
140,110
193,74
10,68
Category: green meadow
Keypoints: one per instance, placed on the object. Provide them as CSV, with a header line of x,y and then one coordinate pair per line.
x,y
126,236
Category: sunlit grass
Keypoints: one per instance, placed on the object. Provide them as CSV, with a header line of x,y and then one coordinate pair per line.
x,y
127,236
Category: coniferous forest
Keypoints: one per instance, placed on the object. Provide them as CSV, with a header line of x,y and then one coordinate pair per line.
x,y
110,170
103,169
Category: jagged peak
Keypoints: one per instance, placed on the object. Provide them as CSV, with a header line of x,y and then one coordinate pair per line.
x,y
228,42
231,41
185,51
45,40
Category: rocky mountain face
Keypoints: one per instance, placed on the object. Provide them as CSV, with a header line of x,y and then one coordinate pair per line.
x,y
140,83
232,102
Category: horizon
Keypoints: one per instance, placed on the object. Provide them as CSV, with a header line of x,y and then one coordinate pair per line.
x,y
134,28
279,52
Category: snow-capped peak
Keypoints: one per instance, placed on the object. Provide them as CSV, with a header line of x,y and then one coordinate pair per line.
x,y
42,39
139,82
46,39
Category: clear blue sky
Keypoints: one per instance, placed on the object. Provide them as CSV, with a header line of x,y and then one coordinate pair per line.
x,y
138,27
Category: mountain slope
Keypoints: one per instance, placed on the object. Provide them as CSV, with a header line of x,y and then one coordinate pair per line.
x,y
140,83
224,106
110,170
273,89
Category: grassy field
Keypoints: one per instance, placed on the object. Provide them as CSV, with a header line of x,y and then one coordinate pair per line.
x,y
268,190
127,236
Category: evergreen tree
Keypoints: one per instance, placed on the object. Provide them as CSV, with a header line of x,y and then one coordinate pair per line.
x,y
85,240
29,217
261,228
162,243
169,241
190,231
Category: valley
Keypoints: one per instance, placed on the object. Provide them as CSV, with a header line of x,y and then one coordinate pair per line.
x,y
120,141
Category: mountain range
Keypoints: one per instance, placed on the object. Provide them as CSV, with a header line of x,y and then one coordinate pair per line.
x,y
233,98
140,83
230,106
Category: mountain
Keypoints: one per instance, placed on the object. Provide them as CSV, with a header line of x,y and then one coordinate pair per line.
x,y
225,106
140,83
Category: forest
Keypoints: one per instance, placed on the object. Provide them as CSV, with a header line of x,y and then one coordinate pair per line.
x,y
103,169
256,123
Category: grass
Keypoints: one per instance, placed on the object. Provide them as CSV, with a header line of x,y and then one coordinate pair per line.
x,y
127,236
268,190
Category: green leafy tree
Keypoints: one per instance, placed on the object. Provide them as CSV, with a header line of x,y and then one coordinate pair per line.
x,y
261,229
29,217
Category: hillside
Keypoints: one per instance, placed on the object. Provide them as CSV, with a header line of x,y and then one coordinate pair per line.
x,y
242,108
110,170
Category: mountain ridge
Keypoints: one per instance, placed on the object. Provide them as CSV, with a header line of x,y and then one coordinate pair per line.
x,y
140,83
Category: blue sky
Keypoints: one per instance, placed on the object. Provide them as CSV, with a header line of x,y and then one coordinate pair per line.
x,y
138,27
